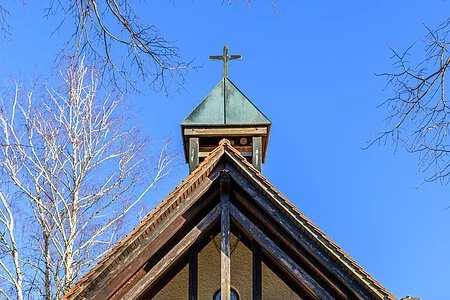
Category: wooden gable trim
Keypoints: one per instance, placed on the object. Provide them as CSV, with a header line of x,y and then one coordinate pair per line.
x,y
353,271
157,239
304,279
277,233
172,255
150,227
299,236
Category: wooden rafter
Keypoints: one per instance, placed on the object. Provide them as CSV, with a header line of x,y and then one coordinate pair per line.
x,y
296,233
317,291
275,231
171,257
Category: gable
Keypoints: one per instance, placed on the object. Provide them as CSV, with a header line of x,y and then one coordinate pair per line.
x,y
305,254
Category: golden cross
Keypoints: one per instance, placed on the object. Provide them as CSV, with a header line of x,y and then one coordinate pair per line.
x,y
225,58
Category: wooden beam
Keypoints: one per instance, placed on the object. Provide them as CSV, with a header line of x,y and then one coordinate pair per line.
x,y
193,153
155,241
297,234
279,233
225,262
286,261
256,271
175,253
233,131
257,152
193,273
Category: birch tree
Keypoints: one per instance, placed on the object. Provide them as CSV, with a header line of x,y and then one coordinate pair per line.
x,y
11,270
78,169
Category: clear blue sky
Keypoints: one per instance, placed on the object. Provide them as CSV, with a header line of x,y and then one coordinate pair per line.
x,y
310,70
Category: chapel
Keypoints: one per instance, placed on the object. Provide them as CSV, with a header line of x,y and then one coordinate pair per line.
x,y
226,232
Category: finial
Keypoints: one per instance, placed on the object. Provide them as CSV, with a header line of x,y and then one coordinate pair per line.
x,y
224,142
225,58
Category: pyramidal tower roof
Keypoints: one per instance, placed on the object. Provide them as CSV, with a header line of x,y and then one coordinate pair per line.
x,y
225,105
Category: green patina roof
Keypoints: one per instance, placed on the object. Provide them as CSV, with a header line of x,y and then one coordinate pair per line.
x,y
226,105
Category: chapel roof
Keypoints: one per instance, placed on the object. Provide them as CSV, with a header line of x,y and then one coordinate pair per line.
x,y
184,193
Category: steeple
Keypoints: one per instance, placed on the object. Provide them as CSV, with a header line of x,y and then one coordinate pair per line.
x,y
225,113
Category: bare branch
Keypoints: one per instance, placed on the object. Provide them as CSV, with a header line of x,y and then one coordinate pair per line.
x,y
82,169
418,118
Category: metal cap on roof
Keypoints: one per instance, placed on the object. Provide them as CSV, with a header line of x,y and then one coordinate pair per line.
x,y
225,105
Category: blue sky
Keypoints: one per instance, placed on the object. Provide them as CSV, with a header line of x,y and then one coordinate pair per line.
x,y
310,69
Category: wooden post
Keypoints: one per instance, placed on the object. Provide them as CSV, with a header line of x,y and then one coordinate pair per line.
x,y
193,273
257,152
225,262
257,276
193,153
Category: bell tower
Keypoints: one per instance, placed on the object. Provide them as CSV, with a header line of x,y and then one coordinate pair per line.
x,y
225,113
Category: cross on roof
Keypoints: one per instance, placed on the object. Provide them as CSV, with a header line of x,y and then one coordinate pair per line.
x,y
225,58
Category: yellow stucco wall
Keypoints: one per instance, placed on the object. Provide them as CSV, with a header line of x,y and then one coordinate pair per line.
x,y
177,288
274,288
241,276
209,269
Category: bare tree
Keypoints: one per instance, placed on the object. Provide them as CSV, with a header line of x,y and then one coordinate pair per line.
x,y
113,36
419,115
79,168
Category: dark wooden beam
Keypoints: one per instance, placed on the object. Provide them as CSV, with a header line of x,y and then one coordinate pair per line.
x,y
341,292
297,234
257,152
193,273
175,253
193,153
304,279
159,237
225,262
256,271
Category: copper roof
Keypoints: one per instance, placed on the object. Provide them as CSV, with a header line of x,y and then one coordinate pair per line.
x,y
181,193
225,105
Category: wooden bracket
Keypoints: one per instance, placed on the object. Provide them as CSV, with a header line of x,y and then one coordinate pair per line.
x,y
193,153
257,152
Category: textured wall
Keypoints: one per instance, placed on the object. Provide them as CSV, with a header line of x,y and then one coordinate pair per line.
x,y
209,270
177,288
274,288
241,276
